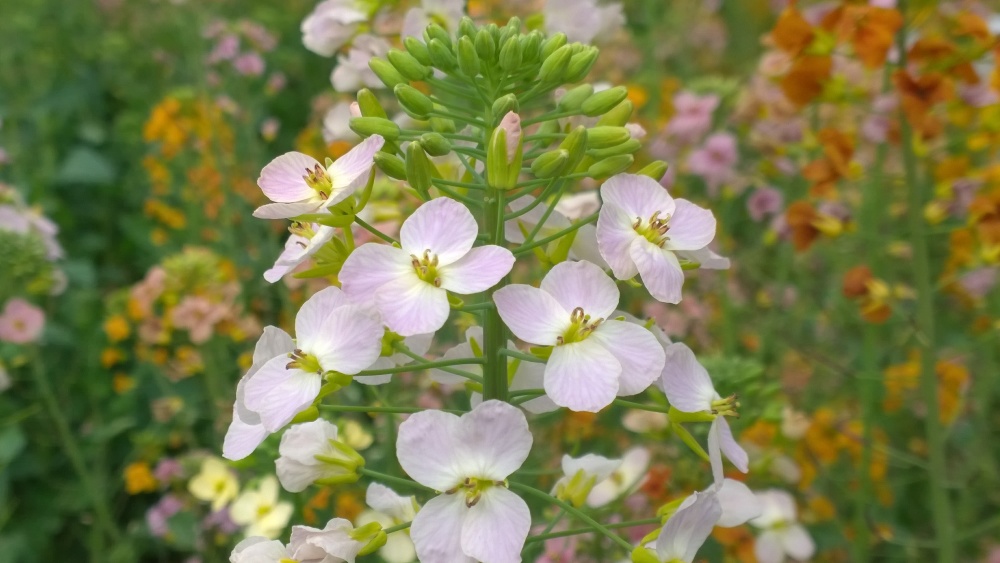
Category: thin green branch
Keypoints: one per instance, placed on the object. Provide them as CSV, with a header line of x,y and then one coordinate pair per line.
x,y
582,516
541,242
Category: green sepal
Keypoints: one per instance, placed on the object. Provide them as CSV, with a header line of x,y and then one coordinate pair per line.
x,y
553,68
419,170
630,146
689,440
511,54
550,164
391,165
435,144
486,47
572,100
580,64
418,49
374,544
468,60
413,101
606,136
575,145
542,352
308,415
441,55
551,45
435,32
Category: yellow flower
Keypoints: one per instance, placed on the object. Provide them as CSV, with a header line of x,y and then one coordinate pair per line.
x,y
116,328
260,511
215,483
111,356
139,478
355,435
122,383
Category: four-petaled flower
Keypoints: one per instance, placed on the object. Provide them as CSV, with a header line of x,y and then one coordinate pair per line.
x,y
594,357
641,228
332,544
298,184
409,286
782,534
468,458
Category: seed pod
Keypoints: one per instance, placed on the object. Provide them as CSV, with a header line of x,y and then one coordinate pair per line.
x,y
391,165
368,126
418,49
572,100
369,104
619,115
408,65
603,102
386,72
503,105
628,147
468,60
418,169
550,163
551,45
575,145
435,31
435,144
610,166
510,54
413,101
554,66
486,48
654,170
605,136
580,64
441,55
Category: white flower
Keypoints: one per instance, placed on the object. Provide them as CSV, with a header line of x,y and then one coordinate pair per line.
x,y
581,474
337,123
476,518
391,509
409,286
582,20
584,246
627,475
782,534
332,334
446,13
418,344
304,241
689,389
332,544
352,72
306,452
594,357
260,511
331,24
214,483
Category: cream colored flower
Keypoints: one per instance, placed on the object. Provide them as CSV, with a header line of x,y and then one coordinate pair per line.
x,y
260,511
215,483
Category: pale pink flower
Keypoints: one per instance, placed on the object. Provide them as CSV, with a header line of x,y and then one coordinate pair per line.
x,y
299,184
692,116
715,160
332,544
21,322
446,13
641,229
303,242
249,64
594,356
782,534
476,518
582,20
331,25
352,72
409,285
226,48
763,202
198,315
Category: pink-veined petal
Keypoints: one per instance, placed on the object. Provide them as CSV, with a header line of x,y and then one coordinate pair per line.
x,y
715,451
615,234
495,527
496,439
351,340
686,531
636,349
531,375
288,210
370,267
411,306
685,382
242,439
355,165
480,269
585,247
437,530
797,542
661,272
531,314
443,226
638,196
277,394
733,451
295,253
691,227
582,376
273,342
282,180
430,450
738,502
309,319
584,285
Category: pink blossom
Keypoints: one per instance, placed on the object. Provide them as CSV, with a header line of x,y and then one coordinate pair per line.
x,y
158,515
225,49
21,322
764,201
693,116
198,315
249,64
714,161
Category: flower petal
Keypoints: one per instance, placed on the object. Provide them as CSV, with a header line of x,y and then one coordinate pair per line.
x,y
463,350
309,319
282,180
389,502
638,196
591,464
369,267
638,352
411,306
582,284
352,169
430,450
273,342
691,227
352,340
730,447
661,272
437,530
496,439
242,439
738,502
531,314
706,259
582,376
685,532
615,235
686,383
531,375
495,528
479,270
278,394
288,210
585,247
768,548
443,226
797,542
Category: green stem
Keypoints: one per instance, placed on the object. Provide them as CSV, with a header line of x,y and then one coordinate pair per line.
x,y
594,525
521,356
643,407
370,409
461,373
379,476
361,223
543,241
422,366
397,528
494,331
578,531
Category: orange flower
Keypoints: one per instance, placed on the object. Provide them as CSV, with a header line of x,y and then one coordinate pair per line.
x,y
871,293
116,328
804,82
122,383
792,33
111,356
918,96
870,30
834,165
319,501
139,478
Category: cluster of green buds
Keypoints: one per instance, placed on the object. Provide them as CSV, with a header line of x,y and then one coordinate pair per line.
x,y
24,267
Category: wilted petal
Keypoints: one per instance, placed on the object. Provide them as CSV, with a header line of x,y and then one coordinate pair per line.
x,y
582,376
443,226
370,267
477,271
584,285
691,227
496,527
430,451
411,306
437,529
531,314
283,179
661,272
636,349
686,383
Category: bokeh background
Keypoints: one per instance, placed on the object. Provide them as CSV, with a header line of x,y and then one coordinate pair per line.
x,y
858,199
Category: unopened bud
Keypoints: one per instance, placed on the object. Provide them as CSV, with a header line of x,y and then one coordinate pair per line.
x,y
503,155
575,144
531,46
580,64
374,544
554,66
550,45
572,99
418,169
550,163
368,126
418,49
630,146
468,60
467,27
408,65
369,104
654,170
442,125
308,415
510,54
606,136
486,48
604,101
435,144
435,31
386,72
441,55
505,105
391,165
414,102
610,166
619,115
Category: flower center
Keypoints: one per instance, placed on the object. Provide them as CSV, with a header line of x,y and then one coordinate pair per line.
x,y
727,406
303,361
303,230
580,327
474,488
263,510
654,229
319,180
426,267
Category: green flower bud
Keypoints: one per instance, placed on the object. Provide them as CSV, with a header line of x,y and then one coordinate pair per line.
x,y
441,55
549,128
413,101
494,31
408,65
391,165
554,66
510,54
550,163
435,31
374,544
386,72
368,126
619,115
575,145
580,64
418,49
468,60
605,136
654,170
369,104
531,46
504,105
485,46
467,27
512,29
504,153
610,166
435,144
603,102
551,44
442,125
418,169
572,100
628,147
